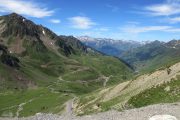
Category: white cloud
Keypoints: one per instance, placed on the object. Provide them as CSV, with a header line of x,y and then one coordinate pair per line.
x,y
113,8
133,29
56,21
170,7
142,29
80,22
92,33
173,30
103,29
174,20
23,7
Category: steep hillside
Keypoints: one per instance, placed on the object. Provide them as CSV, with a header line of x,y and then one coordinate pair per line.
x,y
154,55
161,86
164,93
10,76
37,65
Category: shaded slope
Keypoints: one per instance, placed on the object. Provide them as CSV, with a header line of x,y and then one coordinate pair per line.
x,y
153,55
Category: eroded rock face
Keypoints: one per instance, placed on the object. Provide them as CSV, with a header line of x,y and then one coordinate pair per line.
x,y
19,33
17,26
8,59
163,117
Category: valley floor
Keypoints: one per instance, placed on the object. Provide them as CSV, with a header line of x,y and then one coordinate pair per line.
x,y
145,113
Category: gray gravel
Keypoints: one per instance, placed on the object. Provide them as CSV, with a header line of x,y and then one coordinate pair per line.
x,y
135,114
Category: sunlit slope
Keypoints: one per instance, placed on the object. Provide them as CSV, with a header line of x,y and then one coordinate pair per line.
x,y
118,96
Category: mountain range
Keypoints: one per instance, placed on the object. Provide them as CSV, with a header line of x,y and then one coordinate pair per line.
x,y
153,55
42,72
143,56
36,64
110,46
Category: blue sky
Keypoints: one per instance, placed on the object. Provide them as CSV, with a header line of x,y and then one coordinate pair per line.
x,y
139,20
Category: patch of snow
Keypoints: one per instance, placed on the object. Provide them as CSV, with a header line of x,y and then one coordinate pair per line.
x,y
163,117
43,32
51,43
24,20
86,38
10,51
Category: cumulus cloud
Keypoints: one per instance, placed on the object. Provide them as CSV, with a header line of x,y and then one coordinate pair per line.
x,y
24,7
170,7
55,21
80,22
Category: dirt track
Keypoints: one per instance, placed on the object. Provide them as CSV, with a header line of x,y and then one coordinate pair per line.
x,y
135,114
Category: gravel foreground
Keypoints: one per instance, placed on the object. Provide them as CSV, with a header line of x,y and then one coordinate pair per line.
x,y
153,112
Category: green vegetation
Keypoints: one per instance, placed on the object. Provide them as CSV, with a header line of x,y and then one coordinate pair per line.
x,y
47,70
33,101
107,66
84,75
166,93
74,79
48,77
153,56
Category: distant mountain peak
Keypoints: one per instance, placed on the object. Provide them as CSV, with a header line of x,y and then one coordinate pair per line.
x,y
85,38
109,46
19,33
15,15
17,25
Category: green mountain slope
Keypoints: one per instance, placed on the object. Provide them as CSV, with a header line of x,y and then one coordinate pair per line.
x,y
37,65
154,55
165,93
161,86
